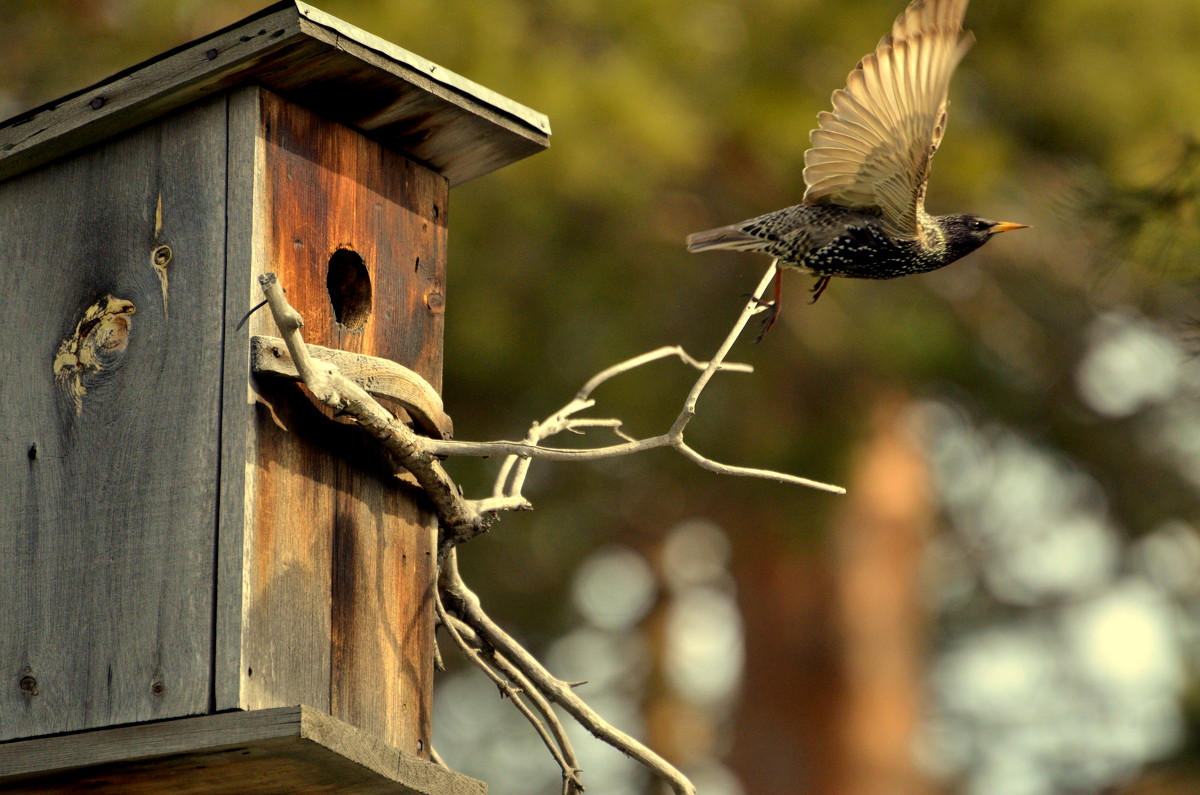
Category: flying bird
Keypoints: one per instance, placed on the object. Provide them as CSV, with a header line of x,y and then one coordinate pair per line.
x,y
863,212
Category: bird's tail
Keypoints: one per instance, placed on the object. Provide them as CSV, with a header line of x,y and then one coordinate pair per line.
x,y
733,238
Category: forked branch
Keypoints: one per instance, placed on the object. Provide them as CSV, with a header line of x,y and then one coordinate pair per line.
x,y
327,384
463,519
465,605
506,494
520,677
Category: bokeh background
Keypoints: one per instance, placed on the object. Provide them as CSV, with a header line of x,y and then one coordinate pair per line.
x,y
1008,599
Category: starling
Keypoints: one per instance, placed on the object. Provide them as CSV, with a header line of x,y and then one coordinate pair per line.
x,y
863,212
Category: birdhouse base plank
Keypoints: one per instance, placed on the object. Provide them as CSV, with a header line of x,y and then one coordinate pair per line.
x,y
286,749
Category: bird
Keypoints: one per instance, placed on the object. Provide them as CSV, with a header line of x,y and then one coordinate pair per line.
x,y
863,214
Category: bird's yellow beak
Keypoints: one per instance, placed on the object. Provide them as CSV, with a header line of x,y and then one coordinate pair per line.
x,y
1005,226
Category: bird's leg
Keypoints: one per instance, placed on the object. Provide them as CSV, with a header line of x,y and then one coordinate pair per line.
x,y
819,288
772,307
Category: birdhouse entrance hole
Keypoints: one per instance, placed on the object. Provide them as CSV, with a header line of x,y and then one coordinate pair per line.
x,y
349,288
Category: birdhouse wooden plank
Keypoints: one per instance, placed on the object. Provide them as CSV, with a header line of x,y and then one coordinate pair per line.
x,y
457,127
289,749
182,538
113,393
359,230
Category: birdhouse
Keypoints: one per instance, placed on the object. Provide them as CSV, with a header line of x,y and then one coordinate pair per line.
x,y
206,578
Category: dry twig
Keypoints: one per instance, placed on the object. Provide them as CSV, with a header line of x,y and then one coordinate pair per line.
x,y
458,517
506,494
519,675
466,606
516,687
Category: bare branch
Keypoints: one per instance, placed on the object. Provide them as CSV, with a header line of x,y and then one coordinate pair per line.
x,y
510,479
497,504
516,672
463,519
753,307
750,472
653,356
458,518
514,685
461,601
447,447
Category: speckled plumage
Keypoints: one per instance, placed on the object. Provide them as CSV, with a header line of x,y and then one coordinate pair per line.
x,y
832,240
863,212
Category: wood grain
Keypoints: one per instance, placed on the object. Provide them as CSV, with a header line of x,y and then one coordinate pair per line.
x,y
452,125
244,255
179,538
288,749
107,528
339,550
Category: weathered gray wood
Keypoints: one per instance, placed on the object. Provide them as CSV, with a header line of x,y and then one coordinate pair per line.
x,y
381,377
244,248
107,476
454,126
287,749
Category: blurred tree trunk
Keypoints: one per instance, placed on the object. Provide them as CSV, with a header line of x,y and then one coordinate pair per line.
x,y
835,642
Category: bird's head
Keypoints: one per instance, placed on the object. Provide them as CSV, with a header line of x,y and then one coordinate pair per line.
x,y
966,232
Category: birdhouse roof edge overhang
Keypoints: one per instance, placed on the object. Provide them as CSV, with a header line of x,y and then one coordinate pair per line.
x,y
449,123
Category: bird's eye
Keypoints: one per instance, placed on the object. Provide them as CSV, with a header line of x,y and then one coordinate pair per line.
x,y
979,225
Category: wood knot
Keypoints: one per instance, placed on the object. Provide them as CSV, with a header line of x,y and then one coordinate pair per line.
x,y
161,256
98,345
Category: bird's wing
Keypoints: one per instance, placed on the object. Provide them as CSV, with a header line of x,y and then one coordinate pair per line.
x,y
874,149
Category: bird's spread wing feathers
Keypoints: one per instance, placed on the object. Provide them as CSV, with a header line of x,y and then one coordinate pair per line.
x,y
874,149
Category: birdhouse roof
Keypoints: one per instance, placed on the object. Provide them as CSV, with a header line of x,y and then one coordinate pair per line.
x,y
455,126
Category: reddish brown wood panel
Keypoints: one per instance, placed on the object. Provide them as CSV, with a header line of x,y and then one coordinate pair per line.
x,y
328,187
338,605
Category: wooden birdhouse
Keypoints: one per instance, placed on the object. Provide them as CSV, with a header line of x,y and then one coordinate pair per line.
x,y
205,578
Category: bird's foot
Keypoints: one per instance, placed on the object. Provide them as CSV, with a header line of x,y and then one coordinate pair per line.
x,y
771,306
768,320
819,288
